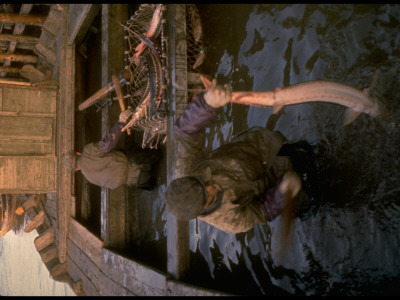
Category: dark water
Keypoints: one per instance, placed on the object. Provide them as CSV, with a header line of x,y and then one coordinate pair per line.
x,y
344,239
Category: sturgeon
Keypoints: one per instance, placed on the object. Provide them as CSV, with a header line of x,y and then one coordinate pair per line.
x,y
355,100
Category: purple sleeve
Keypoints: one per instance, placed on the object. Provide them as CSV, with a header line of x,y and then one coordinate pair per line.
x,y
195,117
109,142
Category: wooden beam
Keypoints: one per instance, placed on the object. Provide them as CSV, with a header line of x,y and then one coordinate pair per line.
x,y
19,57
65,134
27,20
10,70
18,38
45,239
81,17
36,222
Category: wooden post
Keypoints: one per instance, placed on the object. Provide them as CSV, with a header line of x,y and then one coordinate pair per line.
x,y
45,239
177,231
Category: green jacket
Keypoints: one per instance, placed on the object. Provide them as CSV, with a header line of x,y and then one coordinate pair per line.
x,y
242,170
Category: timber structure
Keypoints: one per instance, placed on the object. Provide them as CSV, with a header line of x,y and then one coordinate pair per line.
x,y
39,77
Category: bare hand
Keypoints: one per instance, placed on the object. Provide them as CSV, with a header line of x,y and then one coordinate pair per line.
x,y
124,116
217,96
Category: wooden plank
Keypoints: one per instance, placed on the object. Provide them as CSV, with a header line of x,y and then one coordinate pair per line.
x,y
136,277
48,254
53,20
14,179
105,285
35,20
19,57
81,17
18,38
177,231
48,53
65,134
10,70
86,241
45,239
76,273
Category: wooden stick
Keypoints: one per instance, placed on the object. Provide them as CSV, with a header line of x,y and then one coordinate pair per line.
x,y
120,96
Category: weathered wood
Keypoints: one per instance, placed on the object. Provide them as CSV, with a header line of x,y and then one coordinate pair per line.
x,y
10,70
36,222
113,205
53,20
106,286
18,38
18,29
19,57
59,272
78,288
87,241
81,17
49,54
31,73
32,201
12,82
49,253
35,20
134,276
177,231
65,133
77,273
45,239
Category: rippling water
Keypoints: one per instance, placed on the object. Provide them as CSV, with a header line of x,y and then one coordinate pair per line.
x,y
22,272
345,237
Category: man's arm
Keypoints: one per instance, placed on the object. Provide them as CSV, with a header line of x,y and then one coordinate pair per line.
x,y
110,141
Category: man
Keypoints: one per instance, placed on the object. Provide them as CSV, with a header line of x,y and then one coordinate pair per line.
x,y
238,185
103,165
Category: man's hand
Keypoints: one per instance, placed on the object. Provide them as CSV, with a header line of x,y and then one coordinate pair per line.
x,y
124,116
217,96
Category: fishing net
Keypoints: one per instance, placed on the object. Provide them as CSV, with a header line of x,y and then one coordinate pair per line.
x,y
146,61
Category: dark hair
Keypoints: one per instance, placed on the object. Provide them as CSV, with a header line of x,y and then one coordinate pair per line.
x,y
186,197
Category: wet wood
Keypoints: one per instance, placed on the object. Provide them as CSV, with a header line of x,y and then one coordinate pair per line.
x,y
27,20
45,239
36,222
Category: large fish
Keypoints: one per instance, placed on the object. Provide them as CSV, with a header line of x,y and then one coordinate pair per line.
x,y
356,101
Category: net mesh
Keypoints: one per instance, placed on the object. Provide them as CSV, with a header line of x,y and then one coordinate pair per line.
x,y
147,83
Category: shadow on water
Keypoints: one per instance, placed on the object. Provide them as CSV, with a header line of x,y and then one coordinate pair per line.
x,y
344,239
